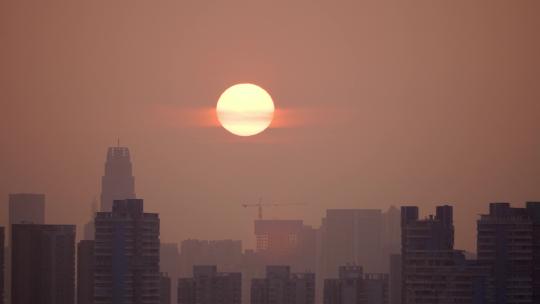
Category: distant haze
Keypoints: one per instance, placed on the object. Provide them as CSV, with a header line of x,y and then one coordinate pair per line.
x,y
378,104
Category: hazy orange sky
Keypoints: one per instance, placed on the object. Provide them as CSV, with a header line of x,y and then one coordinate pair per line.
x,y
416,102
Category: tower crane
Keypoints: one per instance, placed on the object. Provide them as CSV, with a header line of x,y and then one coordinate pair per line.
x,y
260,205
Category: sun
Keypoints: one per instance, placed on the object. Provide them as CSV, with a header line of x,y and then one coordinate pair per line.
x,y
245,109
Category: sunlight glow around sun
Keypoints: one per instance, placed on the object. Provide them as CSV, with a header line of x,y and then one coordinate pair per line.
x,y
245,109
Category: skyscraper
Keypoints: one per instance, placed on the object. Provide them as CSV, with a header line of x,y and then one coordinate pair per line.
x,y
164,289
207,286
127,255
508,245
43,264
85,272
352,236
118,182
355,287
23,208
280,286
394,293
432,271
2,237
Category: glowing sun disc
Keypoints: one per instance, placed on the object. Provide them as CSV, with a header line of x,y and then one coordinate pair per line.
x,y
245,109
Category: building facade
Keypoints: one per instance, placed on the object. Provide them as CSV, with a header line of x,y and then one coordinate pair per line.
x,y
43,264
355,287
127,255
508,243
280,286
85,272
118,182
394,279
165,289
432,271
208,286
2,261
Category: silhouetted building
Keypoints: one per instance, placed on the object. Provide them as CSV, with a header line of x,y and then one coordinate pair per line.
x,y
24,208
280,286
394,293
207,286
165,289
508,242
376,288
127,255
118,182
355,287
533,209
43,264
85,272
432,271
2,245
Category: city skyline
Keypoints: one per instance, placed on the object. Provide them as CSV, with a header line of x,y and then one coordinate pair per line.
x,y
281,152
376,105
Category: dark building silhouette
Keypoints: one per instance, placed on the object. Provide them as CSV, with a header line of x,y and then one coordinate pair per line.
x,y
2,269
208,286
23,208
85,272
127,255
355,287
43,264
432,271
508,242
165,289
280,286
394,293
118,182
533,209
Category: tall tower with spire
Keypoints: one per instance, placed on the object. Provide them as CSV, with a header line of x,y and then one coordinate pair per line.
x,y
118,183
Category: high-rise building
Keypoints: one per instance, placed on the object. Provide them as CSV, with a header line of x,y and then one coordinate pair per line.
x,y
352,236
2,238
127,255
432,271
24,208
280,286
394,279
508,243
208,286
355,287
118,182
43,264
533,208
85,272
165,289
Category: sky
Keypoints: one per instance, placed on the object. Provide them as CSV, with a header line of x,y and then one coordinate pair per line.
x,y
378,103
